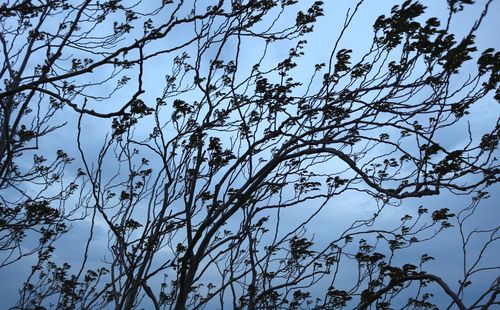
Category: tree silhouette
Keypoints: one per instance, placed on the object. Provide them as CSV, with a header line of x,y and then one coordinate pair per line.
x,y
209,182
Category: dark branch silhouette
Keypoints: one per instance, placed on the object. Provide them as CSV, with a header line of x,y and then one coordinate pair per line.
x,y
198,177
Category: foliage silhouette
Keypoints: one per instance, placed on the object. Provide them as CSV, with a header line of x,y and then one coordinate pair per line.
x,y
197,187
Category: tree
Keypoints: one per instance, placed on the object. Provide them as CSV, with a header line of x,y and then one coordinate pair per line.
x,y
196,183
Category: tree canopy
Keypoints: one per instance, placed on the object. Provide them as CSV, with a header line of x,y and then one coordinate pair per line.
x,y
202,152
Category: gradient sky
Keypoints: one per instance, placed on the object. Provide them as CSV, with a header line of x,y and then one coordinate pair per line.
x,y
334,219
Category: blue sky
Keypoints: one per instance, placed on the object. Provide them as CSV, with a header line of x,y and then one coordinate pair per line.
x,y
341,211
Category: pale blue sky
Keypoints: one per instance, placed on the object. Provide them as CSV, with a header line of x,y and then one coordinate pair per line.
x,y
342,211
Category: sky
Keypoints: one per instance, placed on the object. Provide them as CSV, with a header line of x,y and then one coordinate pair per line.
x,y
344,209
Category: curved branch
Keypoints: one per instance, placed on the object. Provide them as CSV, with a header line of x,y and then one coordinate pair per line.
x,y
419,277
